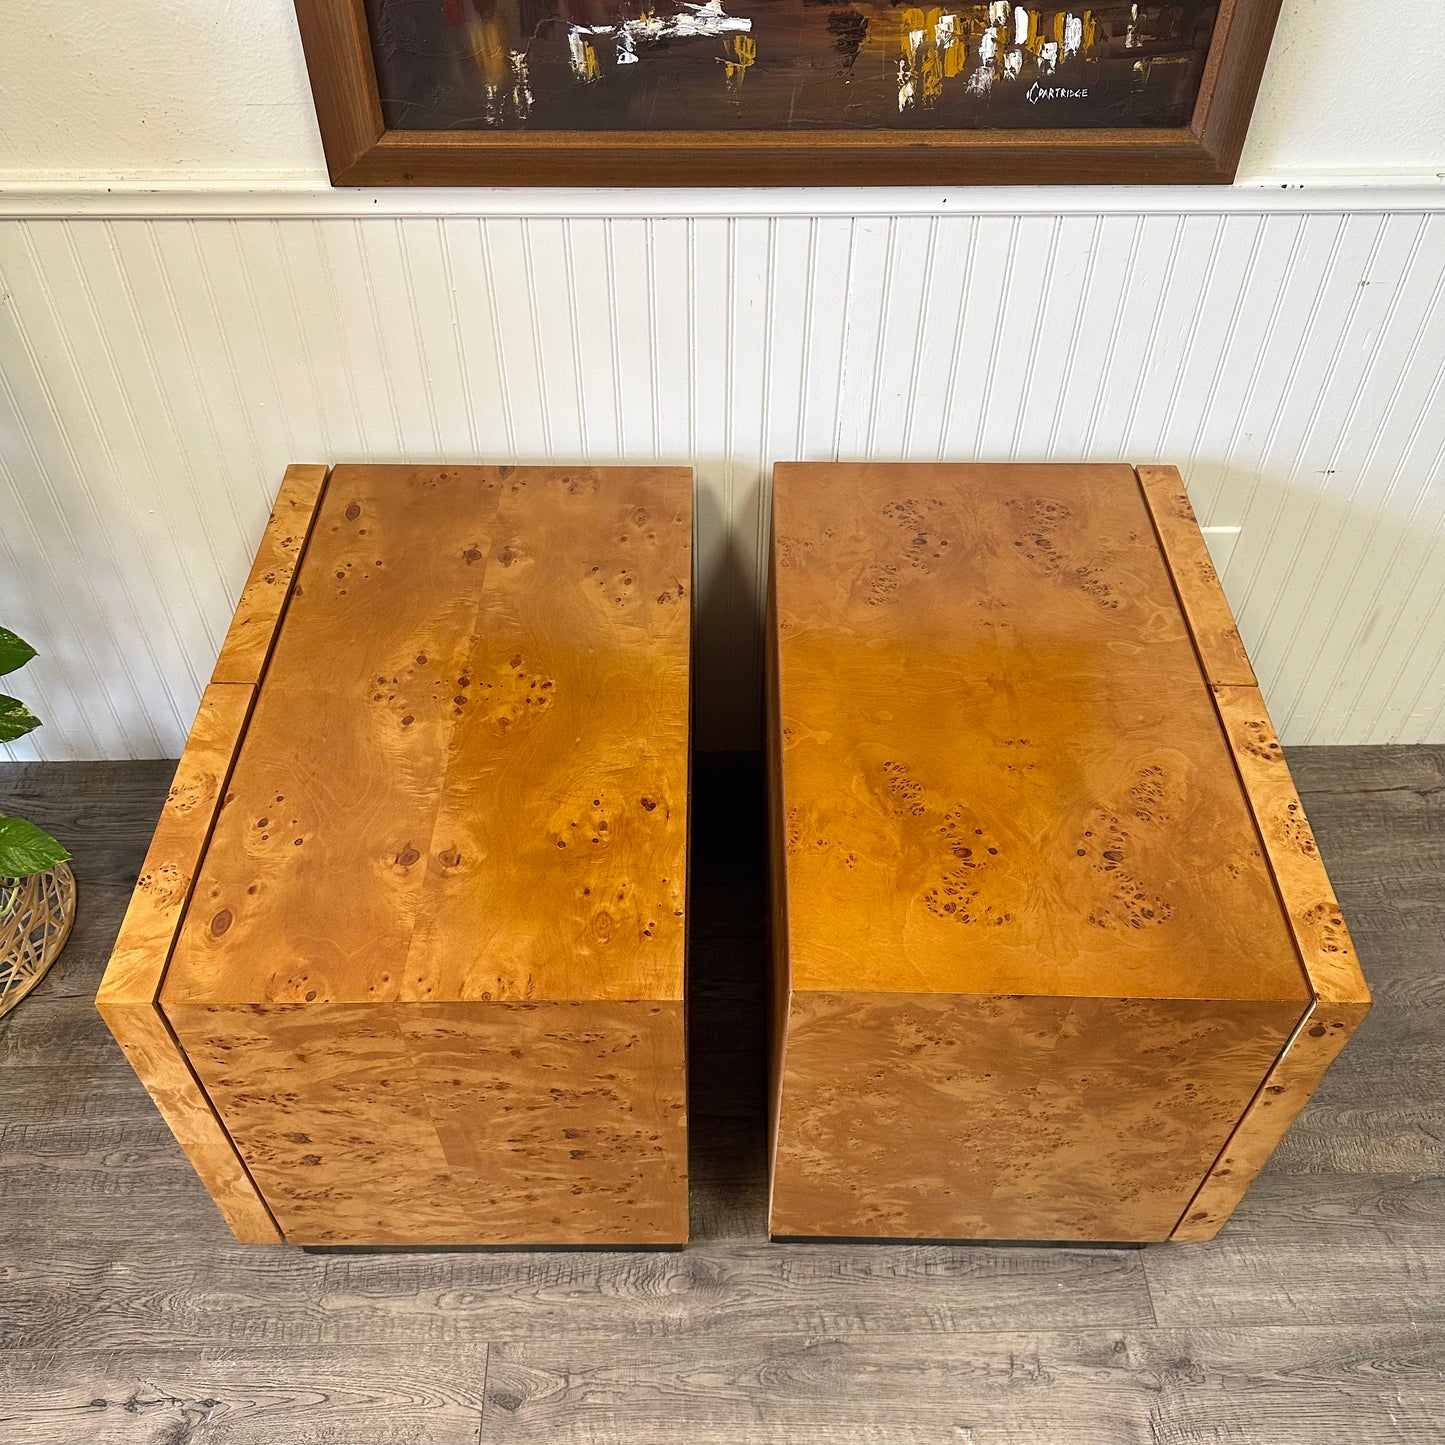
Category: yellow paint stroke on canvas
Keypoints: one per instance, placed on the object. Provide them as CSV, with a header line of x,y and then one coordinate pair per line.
x,y
744,52
932,75
1033,39
489,50
983,43
912,22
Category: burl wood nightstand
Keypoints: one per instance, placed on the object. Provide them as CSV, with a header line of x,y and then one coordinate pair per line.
x,y
405,962
1056,957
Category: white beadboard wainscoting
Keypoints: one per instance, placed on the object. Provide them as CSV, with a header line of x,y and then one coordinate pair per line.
x,y
157,374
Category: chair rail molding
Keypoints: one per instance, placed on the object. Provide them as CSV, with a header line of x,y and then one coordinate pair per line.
x,y
272,196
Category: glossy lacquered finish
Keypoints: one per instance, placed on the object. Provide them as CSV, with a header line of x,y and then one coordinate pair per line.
x,y
424,967
1056,958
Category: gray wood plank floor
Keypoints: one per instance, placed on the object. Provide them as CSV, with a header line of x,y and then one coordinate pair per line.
x,y
129,1317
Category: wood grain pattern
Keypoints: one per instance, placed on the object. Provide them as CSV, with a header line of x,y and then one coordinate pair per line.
x,y
127,998
1014,1387
716,1290
1237,57
1004,786
832,158
255,1395
1341,996
561,834
263,599
337,46
996,739
455,1124
1221,649
1309,900
475,725
1027,1118
462,797
780,967
320,852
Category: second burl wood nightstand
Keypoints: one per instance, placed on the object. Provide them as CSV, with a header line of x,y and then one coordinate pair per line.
x,y
1056,957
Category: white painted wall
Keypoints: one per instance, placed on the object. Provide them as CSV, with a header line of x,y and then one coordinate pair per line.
x,y
184,307
154,89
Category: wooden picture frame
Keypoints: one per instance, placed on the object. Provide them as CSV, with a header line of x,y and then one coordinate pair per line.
x,y
362,151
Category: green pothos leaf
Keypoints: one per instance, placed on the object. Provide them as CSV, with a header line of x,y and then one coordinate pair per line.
x,y
15,719
14,651
26,849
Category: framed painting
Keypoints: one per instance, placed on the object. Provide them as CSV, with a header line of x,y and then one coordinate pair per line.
x,y
782,92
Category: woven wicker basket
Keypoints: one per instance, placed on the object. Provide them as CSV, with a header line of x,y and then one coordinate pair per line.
x,y
35,918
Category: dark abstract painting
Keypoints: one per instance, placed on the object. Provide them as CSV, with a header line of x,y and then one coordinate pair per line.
x,y
626,65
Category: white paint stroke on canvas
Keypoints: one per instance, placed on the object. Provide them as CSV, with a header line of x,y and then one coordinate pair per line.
x,y
692,20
